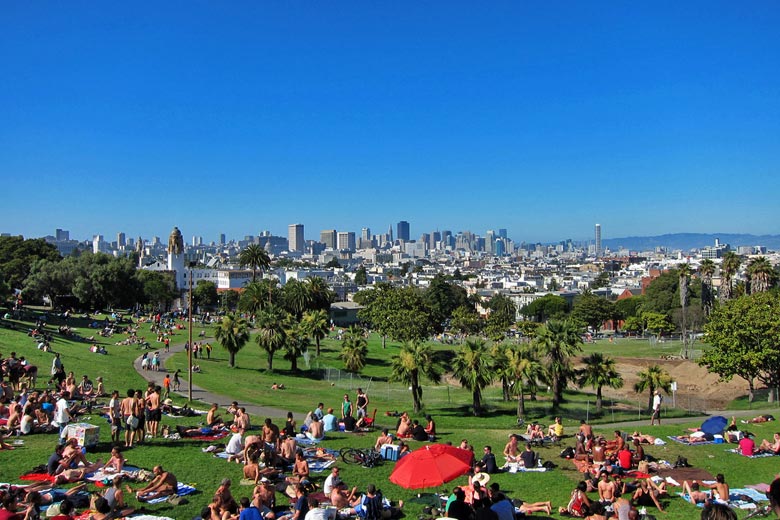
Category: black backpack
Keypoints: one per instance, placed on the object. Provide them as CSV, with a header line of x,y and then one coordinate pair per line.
x,y
373,507
568,453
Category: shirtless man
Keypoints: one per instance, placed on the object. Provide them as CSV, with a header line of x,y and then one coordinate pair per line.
x,y
404,425
77,474
300,469
163,484
340,497
720,489
772,447
153,412
587,431
384,438
316,430
511,451
288,449
213,419
695,495
128,407
607,489
72,455
619,442
271,434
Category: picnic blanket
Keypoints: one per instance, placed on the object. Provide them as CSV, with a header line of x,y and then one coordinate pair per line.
x,y
318,466
41,477
689,474
183,489
759,455
101,475
683,440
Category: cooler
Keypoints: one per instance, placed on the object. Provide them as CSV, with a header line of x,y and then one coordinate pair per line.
x,y
88,435
390,451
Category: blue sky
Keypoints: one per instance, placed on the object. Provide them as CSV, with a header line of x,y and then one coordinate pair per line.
x,y
542,118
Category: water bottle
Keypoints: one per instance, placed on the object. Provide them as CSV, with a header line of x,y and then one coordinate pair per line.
x,y
643,511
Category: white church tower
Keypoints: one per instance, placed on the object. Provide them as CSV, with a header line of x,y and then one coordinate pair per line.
x,y
176,259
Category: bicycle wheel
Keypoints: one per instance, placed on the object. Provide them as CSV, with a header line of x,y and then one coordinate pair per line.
x,y
352,456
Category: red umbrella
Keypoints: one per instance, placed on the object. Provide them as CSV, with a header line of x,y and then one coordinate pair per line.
x,y
431,466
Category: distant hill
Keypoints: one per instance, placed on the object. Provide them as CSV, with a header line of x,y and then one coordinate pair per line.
x,y
688,241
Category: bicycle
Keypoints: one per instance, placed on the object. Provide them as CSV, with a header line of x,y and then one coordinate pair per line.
x,y
368,458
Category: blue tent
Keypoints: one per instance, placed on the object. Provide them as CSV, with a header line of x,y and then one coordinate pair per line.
x,y
714,425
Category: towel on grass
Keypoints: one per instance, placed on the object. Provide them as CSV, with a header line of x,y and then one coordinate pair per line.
x,y
101,475
318,466
183,489
42,477
754,456
753,494
684,440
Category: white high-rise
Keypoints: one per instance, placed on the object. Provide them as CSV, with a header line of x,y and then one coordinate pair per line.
x,y
295,238
598,240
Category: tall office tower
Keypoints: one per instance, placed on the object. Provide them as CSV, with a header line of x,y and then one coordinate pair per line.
x,y
365,233
425,238
97,243
502,232
499,247
222,241
435,238
403,231
490,241
390,233
62,234
295,237
121,241
346,240
598,240
328,237
447,239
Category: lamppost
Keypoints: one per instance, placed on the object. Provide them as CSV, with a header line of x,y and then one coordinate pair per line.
x,y
189,350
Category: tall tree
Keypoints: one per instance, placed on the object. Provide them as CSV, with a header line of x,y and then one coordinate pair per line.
x,y
296,341
706,270
271,335
549,306
501,318
471,366
296,297
523,364
232,333
592,310
442,298
558,341
205,294
17,256
320,293
498,354
254,257
684,273
415,361
361,276
398,313
599,371
316,326
354,349
466,321
728,270
259,295
761,273
651,378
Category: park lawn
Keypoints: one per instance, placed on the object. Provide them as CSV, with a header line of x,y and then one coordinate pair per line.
x,y
191,465
641,348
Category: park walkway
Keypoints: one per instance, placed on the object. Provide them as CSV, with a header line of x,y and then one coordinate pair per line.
x,y
257,412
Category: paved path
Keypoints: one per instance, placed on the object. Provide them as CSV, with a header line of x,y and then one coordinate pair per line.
x,y
260,412
257,412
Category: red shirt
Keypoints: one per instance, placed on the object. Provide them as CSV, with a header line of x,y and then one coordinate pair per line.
x,y
747,446
624,458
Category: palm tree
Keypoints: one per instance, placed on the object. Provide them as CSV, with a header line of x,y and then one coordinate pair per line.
x,y
296,297
706,270
232,334
652,378
498,353
253,297
558,341
297,343
255,257
271,335
316,325
598,372
523,365
320,294
414,361
354,349
728,267
471,366
762,275
684,273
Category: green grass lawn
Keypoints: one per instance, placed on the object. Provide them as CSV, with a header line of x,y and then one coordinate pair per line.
x,y
448,403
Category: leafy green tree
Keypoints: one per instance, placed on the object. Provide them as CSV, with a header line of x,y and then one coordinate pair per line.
x,y
260,294
628,307
549,306
296,298
354,349
728,270
471,366
271,335
651,378
761,274
158,288
254,257
599,371
296,341
205,294
400,314
17,256
415,361
527,328
558,341
657,322
333,263
466,321
661,294
523,364
501,317
316,325
361,276
229,300
442,298
744,334
706,271
320,294
232,333
592,310
602,280
634,324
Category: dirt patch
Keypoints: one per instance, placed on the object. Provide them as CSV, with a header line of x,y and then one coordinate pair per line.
x,y
697,389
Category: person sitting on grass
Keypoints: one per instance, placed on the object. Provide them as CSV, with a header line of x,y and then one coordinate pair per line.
x,y
646,496
117,460
772,447
163,484
694,493
213,419
384,438
78,474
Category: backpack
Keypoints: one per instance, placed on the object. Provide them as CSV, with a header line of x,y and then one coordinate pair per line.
x,y
682,462
373,507
568,453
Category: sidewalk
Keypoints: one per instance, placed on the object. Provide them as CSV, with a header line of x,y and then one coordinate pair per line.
x,y
258,413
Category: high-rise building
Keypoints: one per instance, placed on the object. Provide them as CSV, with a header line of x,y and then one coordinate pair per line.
x,y
295,238
499,247
62,234
346,240
328,237
222,241
502,232
390,233
402,231
435,239
490,241
365,233
97,243
598,240
121,241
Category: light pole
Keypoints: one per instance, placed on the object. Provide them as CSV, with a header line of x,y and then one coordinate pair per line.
x,y
189,350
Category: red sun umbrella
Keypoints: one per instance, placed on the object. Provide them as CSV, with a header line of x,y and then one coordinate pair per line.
x,y
431,466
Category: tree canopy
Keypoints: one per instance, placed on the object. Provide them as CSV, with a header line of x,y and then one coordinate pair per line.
x,y
549,306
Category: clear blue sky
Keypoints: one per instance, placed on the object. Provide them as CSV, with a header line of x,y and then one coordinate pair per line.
x,y
541,118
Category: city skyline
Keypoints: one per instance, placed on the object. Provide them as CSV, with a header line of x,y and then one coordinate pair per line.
x,y
542,120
